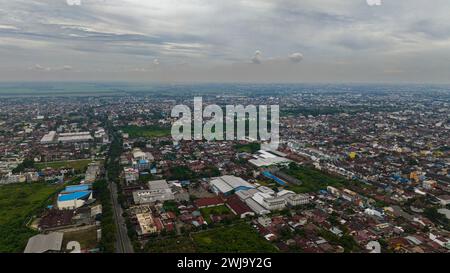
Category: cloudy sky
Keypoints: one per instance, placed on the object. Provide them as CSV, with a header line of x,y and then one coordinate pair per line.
x,y
225,40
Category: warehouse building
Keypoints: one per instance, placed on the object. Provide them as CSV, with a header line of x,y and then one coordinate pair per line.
x,y
238,207
45,243
74,197
75,137
159,190
49,138
257,208
92,172
229,184
52,137
263,158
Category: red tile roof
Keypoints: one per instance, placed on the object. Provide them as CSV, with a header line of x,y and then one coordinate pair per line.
x,y
207,202
237,205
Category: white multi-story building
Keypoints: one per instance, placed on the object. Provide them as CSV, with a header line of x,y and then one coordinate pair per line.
x,y
269,202
131,175
13,178
297,199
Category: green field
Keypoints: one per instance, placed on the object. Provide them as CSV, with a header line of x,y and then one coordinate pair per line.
x,y
240,238
178,244
17,203
312,179
78,165
218,210
87,238
146,131
248,148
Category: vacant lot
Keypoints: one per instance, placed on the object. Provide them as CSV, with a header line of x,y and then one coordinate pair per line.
x,y
218,210
180,244
146,131
17,203
79,165
240,238
312,180
87,238
248,148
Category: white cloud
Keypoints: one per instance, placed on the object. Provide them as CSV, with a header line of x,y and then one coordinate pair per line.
x,y
73,2
39,67
257,59
296,57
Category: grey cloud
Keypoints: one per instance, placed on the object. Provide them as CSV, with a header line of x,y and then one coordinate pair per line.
x,y
98,36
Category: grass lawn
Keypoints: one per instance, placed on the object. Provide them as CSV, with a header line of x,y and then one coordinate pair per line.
x,y
17,202
218,210
79,165
178,244
146,131
240,238
267,183
312,179
248,148
87,238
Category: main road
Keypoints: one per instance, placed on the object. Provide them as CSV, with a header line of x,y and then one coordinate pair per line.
x,y
123,243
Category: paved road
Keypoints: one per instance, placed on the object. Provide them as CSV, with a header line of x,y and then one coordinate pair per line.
x,y
123,243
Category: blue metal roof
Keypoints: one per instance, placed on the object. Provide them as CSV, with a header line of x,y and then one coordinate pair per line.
x,y
242,188
273,177
76,188
74,196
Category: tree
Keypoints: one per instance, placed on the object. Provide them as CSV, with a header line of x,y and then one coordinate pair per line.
x,y
26,164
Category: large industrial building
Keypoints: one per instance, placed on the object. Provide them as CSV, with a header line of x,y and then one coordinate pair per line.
x,y
228,184
264,158
45,243
263,200
52,137
92,172
158,190
73,197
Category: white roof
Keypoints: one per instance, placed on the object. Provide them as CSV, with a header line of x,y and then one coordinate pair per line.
x,y
221,185
259,197
261,161
74,134
265,154
265,189
158,185
265,158
137,154
235,181
228,183
48,137
257,208
284,192
244,194
44,242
